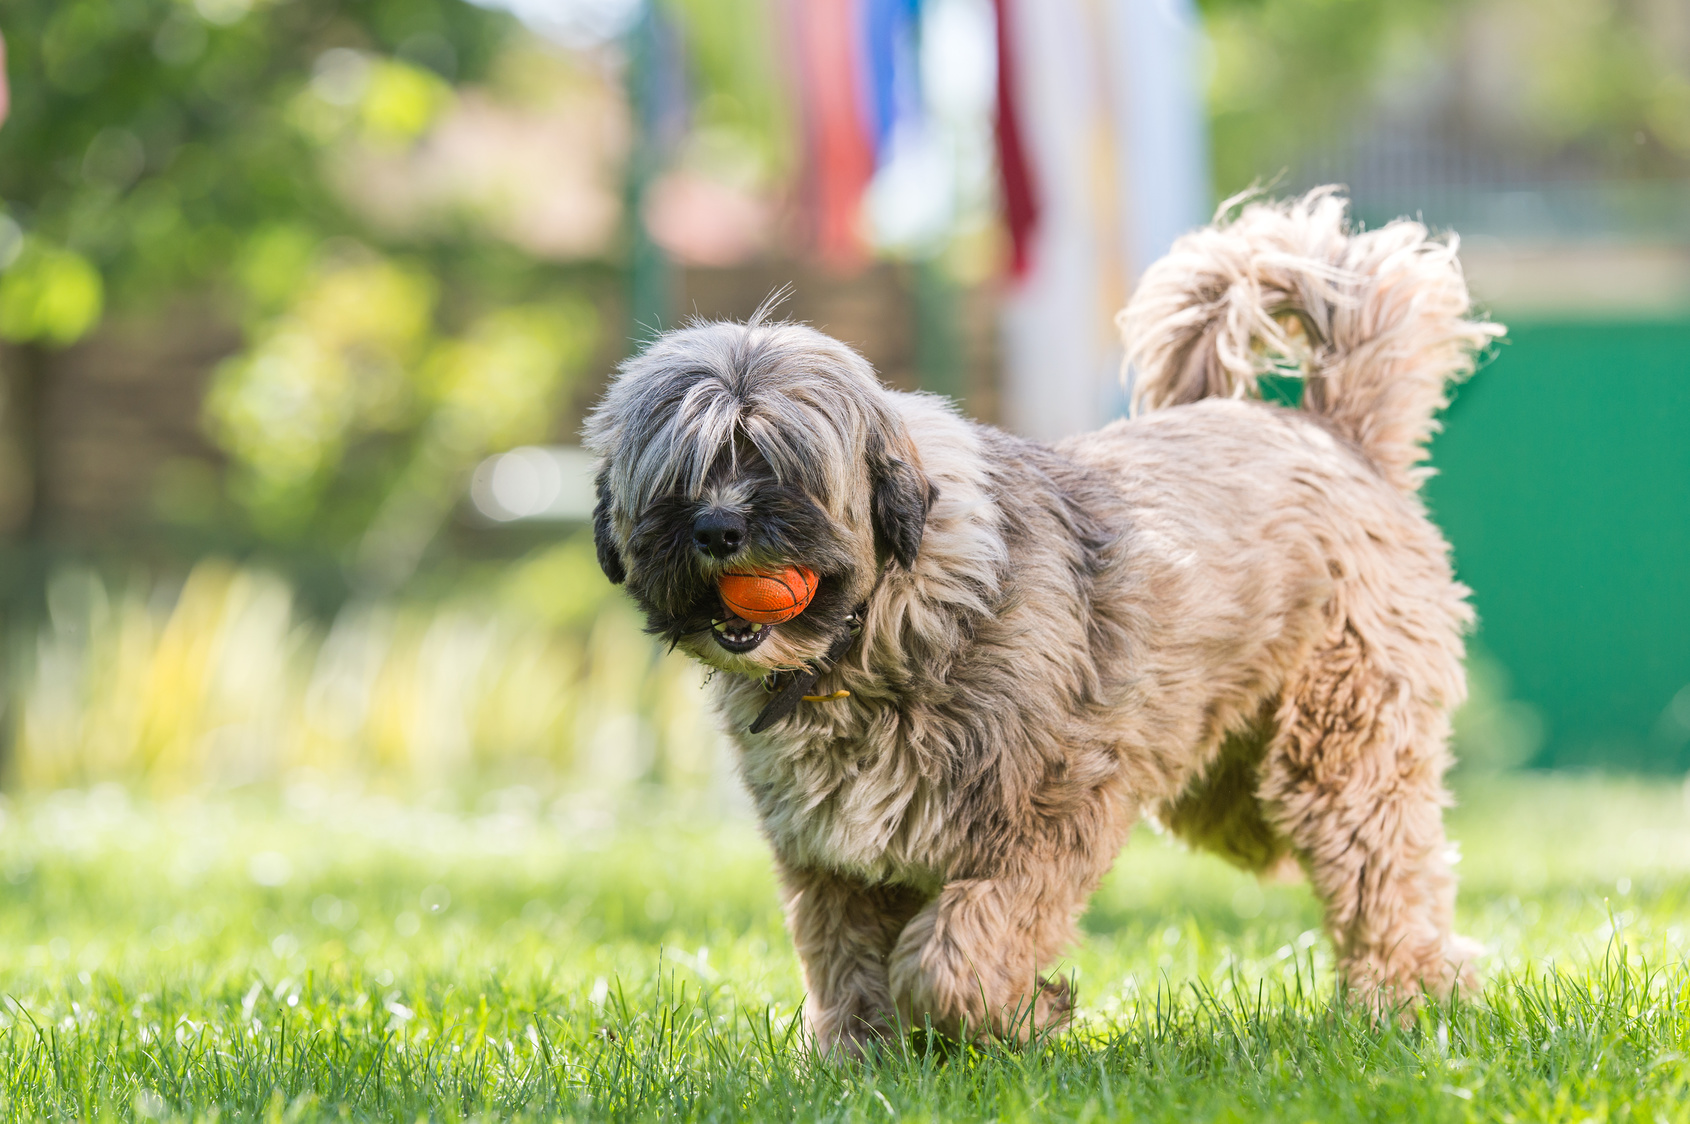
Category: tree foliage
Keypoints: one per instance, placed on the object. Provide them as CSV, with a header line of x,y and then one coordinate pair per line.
x,y
154,137
167,148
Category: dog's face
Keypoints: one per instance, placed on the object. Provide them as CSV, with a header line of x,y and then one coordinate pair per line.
x,y
751,447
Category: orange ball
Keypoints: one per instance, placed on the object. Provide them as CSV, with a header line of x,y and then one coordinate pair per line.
x,y
768,597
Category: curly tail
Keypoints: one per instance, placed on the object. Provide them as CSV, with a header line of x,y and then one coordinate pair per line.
x,y
1377,319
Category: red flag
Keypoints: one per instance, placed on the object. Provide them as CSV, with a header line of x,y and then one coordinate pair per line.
x,y
841,150
1020,202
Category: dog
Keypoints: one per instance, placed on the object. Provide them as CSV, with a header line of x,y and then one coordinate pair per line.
x,y
1233,616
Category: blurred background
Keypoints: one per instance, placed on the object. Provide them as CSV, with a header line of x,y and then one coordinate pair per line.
x,y
302,303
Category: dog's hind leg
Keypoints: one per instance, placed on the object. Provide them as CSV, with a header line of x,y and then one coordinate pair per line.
x,y
1354,779
844,930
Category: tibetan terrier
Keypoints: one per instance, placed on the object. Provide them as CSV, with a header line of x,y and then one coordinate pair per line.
x,y
1229,615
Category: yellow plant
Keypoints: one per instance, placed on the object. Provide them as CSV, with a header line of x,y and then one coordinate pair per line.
x,y
227,683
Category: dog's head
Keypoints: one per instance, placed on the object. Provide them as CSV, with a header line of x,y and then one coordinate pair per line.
x,y
752,446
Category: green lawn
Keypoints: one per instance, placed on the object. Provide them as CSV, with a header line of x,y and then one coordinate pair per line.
x,y
319,956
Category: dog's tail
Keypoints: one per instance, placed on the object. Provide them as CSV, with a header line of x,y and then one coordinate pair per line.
x,y
1377,321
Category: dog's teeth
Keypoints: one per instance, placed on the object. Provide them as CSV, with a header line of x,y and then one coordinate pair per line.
x,y
756,628
721,626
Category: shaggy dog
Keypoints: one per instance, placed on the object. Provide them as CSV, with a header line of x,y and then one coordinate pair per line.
x,y
1233,616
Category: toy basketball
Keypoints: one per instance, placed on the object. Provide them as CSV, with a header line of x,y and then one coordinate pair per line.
x,y
769,597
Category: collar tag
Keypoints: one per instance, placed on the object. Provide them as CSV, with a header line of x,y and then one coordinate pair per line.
x,y
801,687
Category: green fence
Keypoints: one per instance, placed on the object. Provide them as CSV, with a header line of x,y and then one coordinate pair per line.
x,y
1564,483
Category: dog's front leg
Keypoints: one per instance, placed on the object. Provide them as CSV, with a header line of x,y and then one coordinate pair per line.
x,y
844,930
969,962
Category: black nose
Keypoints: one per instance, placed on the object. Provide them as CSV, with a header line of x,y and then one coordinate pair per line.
x,y
718,533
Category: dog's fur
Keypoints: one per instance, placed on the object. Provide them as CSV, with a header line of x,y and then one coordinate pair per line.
x,y
1232,615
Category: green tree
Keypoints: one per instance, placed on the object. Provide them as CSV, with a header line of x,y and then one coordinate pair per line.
x,y
152,138
167,148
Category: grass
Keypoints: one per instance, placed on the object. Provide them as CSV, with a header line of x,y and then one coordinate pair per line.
x,y
323,956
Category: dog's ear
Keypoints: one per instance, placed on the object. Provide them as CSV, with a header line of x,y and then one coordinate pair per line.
x,y
901,497
610,559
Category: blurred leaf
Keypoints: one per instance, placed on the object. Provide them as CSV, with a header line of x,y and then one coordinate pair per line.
x,y
162,149
495,386
50,294
275,262
334,365
402,101
1288,74
355,418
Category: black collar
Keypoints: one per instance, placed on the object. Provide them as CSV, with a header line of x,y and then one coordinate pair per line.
x,y
790,687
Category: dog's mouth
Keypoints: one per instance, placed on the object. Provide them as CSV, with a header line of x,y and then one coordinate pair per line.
x,y
738,635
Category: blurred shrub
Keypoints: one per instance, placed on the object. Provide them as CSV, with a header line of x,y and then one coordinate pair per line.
x,y
224,682
1285,74
49,294
354,420
380,100
332,364
541,679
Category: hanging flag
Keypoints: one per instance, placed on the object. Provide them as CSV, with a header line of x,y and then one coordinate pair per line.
x,y
860,83
839,146
1100,135
1021,206
890,67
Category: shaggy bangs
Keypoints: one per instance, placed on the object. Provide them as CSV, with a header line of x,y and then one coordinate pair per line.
x,y
808,405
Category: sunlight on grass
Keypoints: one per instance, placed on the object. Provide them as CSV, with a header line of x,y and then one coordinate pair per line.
x,y
322,953
480,857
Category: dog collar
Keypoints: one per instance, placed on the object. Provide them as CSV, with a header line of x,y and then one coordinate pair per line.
x,y
797,688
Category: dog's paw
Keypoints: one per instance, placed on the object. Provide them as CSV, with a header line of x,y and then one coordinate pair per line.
x,y
852,1041
1396,987
850,1032
1053,1005
855,1045
1461,967
1047,1009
